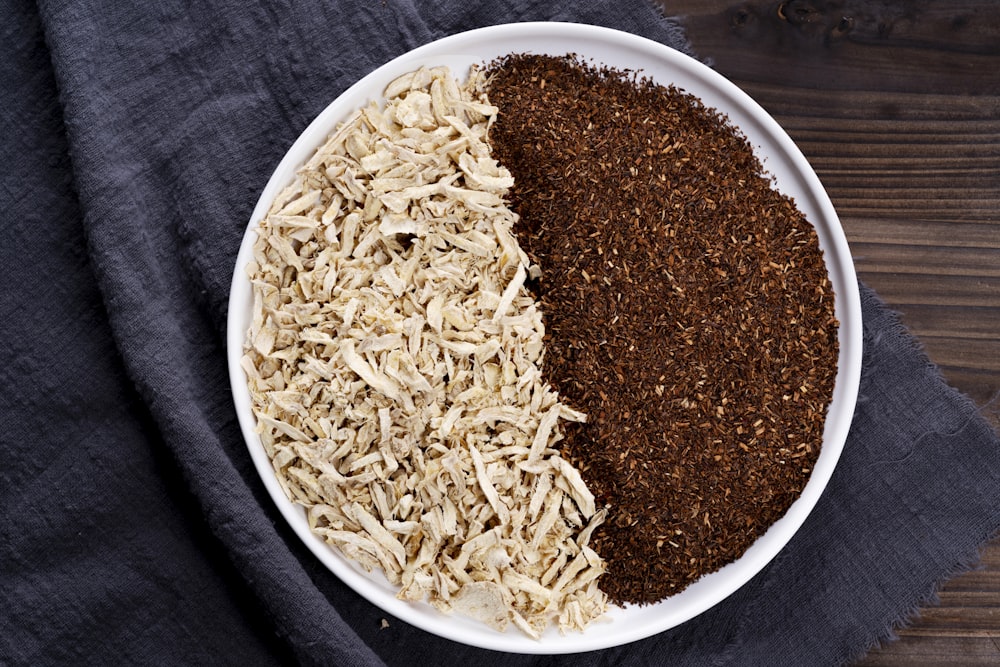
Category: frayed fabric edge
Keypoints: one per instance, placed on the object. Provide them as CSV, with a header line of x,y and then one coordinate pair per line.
x,y
674,25
929,598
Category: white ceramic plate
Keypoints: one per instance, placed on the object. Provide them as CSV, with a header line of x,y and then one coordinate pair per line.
x,y
793,176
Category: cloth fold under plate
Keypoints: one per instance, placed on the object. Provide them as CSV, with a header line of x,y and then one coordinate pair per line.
x,y
135,530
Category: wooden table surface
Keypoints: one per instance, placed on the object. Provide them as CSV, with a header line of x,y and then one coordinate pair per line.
x,y
896,105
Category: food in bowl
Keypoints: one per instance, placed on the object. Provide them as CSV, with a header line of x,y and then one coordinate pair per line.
x,y
401,347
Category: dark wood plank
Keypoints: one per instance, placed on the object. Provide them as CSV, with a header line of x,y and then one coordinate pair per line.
x,y
960,292
936,233
918,651
942,260
896,105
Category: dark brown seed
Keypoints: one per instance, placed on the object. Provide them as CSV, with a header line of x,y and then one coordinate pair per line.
x,y
687,311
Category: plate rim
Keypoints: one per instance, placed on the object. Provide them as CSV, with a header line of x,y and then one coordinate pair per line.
x,y
836,254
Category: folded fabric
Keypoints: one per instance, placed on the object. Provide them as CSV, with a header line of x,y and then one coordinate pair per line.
x,y
135,529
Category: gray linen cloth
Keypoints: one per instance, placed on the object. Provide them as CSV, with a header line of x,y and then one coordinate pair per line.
x,y
135,140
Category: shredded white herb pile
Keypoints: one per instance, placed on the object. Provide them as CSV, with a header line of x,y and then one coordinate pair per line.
x,y
394,367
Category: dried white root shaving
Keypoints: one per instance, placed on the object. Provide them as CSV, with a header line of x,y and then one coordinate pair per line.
x,y
394,365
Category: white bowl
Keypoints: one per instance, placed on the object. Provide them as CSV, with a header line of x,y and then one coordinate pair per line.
x,y
793,176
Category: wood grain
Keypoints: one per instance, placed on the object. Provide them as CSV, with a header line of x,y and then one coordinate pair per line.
x,y
896,104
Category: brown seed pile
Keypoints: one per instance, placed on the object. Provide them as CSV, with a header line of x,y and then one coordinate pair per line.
x,y
687,309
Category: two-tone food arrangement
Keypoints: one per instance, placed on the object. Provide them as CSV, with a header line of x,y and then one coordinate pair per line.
x,y
538,340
